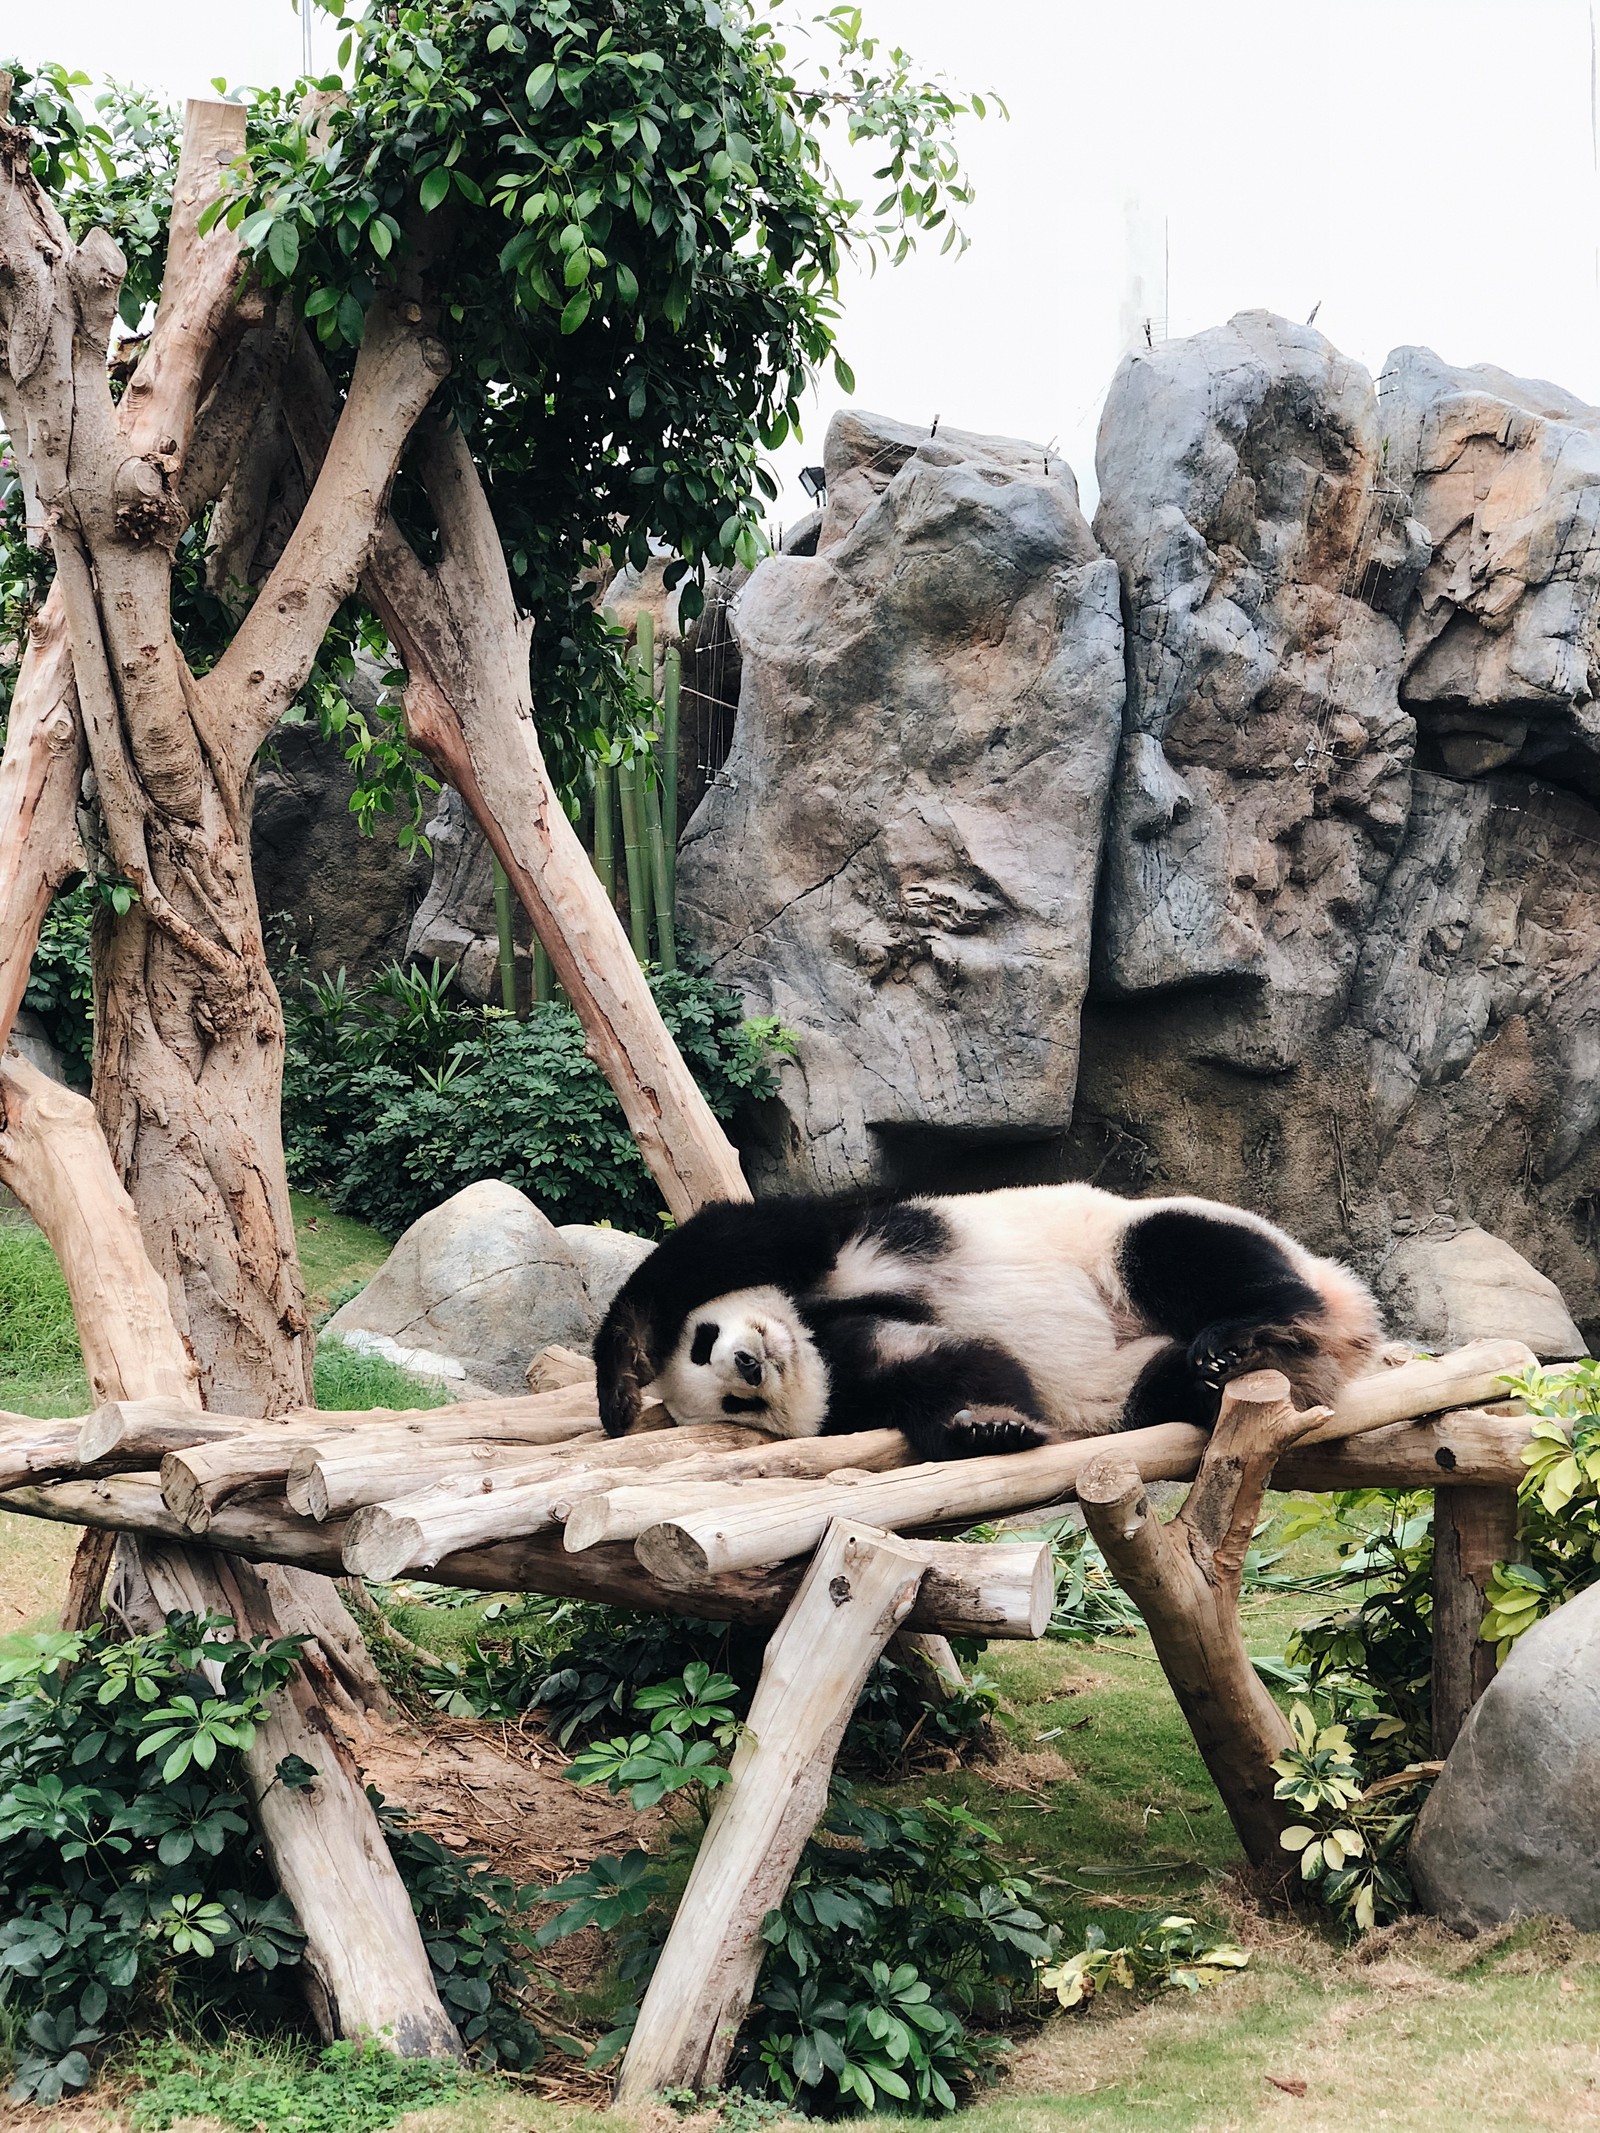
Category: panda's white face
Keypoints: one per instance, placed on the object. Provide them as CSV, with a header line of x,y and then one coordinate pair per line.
x,y
746,1358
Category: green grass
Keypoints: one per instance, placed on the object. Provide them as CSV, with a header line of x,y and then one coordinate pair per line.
x,y
41,1364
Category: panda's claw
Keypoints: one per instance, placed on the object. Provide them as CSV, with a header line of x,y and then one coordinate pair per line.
x,y
976,1430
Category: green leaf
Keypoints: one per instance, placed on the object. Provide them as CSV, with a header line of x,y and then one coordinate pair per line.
x,y
434,188
283,247
845,375
576,312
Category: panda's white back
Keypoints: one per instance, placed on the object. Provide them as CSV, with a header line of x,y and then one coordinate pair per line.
x,y
1033,1267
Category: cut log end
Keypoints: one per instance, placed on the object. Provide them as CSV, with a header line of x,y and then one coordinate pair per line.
x,y
381,1544
673,1555
184,1496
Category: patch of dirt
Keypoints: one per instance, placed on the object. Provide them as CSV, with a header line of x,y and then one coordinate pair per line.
x,y
500,1792
1027,1770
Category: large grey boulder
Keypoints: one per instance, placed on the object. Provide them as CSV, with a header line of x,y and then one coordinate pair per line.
x,y
899,856
1512,1828
1473,1286
1265,777
604,1259
477,1286
1348,944
1503,629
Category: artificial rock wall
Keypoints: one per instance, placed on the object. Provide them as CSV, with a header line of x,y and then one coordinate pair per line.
x,y
1247,845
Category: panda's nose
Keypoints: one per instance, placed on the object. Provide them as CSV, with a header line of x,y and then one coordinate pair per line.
x,y
747,1365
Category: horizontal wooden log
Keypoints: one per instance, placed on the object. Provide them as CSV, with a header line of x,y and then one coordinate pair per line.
x,y
383,1540
774,1521
1471,1449
556,1366
258,1461
1467,1377
337,1477
525,1418
771,1523
1000,1589
623,1512
32,1451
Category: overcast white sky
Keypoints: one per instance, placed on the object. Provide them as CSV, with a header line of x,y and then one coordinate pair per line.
x,y
1422,169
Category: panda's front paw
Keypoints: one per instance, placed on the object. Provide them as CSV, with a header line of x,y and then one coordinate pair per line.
x,y
975,1430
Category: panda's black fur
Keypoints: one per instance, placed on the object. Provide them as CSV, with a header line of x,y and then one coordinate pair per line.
x,y
987,1322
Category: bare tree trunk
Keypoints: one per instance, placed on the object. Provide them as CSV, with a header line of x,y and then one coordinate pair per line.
x,y
189,1034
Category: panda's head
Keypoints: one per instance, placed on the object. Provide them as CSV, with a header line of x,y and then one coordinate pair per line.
x,y
746,1358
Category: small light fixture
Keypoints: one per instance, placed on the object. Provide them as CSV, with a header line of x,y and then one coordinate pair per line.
x,y
814,480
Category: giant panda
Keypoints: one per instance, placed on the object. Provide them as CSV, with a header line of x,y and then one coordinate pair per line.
x,y
975,1323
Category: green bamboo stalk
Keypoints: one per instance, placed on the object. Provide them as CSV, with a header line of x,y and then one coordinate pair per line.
x,y
605,829
660,879
633,854
644,650
671,686
543,982
508,947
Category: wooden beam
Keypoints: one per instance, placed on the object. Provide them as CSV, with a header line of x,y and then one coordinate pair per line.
x,y
1000,1589
623,1513
505,1502
1185,1580
1467,1377
363,1947
1473,1529
856,1594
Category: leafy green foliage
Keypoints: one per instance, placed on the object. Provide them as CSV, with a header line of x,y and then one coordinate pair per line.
x,y
668,1757
127,1867
61,982
1560,1500
396,1097
631,238
347,2088
898,1929
112,172
1372,1662
1165,1950
1351,1848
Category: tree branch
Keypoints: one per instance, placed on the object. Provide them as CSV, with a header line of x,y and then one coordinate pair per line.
x,y
396,374
39,776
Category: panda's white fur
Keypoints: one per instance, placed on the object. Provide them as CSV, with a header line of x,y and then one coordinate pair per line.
x,y
1034,1268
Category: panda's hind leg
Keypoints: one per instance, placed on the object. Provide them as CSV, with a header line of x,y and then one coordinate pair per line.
x,y
950,1398
1226,1293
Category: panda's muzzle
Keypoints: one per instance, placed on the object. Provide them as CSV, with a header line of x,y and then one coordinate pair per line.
x,y
748,1366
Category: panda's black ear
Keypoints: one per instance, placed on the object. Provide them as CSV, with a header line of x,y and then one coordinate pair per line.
x,y
623,1366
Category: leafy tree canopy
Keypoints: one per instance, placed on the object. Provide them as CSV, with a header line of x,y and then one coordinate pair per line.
x,y
622,216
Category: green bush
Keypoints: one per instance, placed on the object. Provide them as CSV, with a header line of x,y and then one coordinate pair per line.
x,y
396,1096
132,1884
129,1875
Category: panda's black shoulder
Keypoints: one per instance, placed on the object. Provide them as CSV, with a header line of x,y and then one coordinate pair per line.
x,y
787,1242
1187,1267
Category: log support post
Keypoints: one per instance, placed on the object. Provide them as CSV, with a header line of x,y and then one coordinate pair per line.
x,y
366,1970
1473,1529
859,1589
1185,1579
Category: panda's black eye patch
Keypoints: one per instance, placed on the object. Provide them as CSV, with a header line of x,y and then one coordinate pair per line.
x,y
705,1339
